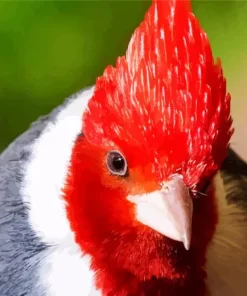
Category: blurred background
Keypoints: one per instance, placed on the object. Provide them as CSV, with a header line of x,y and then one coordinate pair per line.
x,y
50,49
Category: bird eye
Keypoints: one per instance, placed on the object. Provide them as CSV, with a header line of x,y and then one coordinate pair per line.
x,y
116,163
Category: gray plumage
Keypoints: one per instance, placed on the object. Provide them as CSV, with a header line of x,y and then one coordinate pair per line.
x,y
21,251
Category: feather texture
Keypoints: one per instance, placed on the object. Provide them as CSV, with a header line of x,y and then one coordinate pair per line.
x,y
166,98
165,106
226,256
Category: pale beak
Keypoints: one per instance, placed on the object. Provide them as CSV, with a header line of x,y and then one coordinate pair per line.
x,y
167,211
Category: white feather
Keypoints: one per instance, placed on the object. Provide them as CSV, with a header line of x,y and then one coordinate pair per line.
x,y
64,270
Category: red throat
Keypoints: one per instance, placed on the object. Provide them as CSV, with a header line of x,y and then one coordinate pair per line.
x,y
165,106
131,259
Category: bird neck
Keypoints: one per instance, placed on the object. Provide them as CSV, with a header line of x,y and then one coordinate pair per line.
x,y
151,276
124,284
146,263
132,259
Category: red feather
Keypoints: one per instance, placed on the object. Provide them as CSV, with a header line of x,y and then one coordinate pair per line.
x,y
165,107
166,99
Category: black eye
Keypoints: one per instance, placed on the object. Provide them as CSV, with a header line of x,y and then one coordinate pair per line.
x,y
116,163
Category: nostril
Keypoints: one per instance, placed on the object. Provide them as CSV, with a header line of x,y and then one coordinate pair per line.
x,y
166,188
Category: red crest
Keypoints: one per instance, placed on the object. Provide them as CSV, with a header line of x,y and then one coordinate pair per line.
x,y
167,97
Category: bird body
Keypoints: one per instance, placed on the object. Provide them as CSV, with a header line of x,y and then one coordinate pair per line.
x,y
118,191
39,257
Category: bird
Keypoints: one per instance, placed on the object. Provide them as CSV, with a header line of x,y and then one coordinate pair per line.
x,y
130,187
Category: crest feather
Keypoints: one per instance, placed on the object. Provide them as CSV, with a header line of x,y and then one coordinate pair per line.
x,y
167,94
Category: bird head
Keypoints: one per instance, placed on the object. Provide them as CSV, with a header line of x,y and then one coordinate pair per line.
x,y
155,131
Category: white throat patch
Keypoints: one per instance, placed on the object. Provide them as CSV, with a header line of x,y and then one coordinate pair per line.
x,y
64,271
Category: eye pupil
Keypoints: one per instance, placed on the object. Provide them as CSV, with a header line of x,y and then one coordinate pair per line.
x,y
116,163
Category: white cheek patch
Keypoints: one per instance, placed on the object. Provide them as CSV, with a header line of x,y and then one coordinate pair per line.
x,y
47,170
64,270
